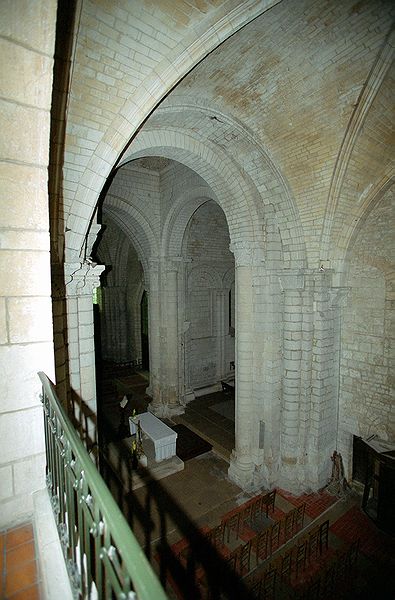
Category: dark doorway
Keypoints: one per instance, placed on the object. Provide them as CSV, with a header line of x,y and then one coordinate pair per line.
x,y
144,332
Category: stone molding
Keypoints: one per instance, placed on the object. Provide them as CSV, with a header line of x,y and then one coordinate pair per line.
x,y
291,280
172,264
247,254
339,296
82,278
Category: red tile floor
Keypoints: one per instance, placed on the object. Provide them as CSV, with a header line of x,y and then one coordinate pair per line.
x,y
316,503
19,569
374,577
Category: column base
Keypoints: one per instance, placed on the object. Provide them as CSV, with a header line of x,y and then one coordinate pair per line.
x,y
242,473
302,478
189,396
292,478
166,411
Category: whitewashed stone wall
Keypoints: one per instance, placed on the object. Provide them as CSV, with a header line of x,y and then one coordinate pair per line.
x,y
209,340
27,33
367,404
121,295
125,59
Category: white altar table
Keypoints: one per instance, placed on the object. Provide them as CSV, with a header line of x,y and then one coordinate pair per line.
x,y
163,437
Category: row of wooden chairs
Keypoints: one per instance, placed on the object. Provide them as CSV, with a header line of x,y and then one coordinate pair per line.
x,y
249,513
267,541
335,580
290,564
304,553
293,522
263,544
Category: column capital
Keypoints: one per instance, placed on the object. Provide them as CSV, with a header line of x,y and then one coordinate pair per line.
x,y
81,278
247,254
172,263
339,296
291,280
153,264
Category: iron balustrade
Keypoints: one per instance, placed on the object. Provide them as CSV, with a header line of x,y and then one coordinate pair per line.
x,y
103,557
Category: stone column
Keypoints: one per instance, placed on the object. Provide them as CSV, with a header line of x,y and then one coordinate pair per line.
x,y
170,327
80,281
292,452
220,300
154,334
114,330
338,300
167,400
241,469
324,384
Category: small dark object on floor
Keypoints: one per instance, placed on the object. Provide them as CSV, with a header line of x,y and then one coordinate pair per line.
x,y
189,444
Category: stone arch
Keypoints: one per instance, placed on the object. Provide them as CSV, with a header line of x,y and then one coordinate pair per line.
x,y
263,194
177,219
107,255
219,23
252,158
228,278
350,231
116,322
341,216
134,224
210,277
223,176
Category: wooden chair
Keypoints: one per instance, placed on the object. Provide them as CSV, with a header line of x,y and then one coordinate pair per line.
x,y
231,560
345,567
352,555
311,591
268,587
268,501
245,517
261,543
324,536
274,536
286,565
341,569
299,517
300,557
313,549
255,588
328,582
244,558
256,509
288,525
216,535
314,589
232,523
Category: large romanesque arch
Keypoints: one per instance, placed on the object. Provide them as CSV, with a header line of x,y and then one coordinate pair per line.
x,y
110,135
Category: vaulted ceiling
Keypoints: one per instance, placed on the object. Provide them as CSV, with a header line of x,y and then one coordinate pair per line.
x,y
306,85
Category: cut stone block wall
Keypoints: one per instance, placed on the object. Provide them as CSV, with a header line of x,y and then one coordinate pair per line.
x,y
210,347
367,404
27,33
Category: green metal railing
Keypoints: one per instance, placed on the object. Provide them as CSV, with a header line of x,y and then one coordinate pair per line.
x,y
103,557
